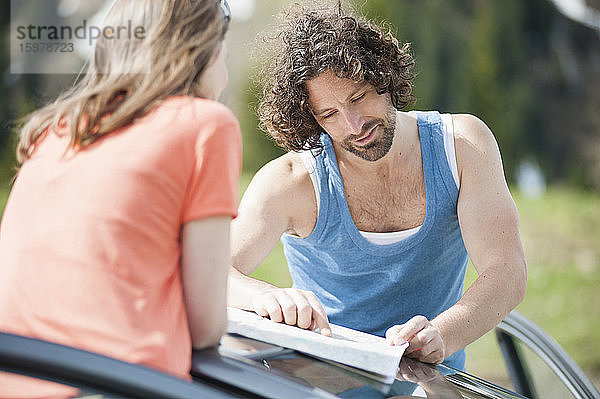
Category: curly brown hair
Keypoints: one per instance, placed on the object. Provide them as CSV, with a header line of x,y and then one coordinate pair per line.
x,y
312,40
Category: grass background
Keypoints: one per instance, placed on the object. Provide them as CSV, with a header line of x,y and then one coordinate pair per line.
x,y
561,236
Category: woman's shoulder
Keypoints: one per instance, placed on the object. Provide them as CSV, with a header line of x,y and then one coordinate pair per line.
x,y
192,118
195,110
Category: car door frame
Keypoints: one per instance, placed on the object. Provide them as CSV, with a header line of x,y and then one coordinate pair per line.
x,y
86,370
516,327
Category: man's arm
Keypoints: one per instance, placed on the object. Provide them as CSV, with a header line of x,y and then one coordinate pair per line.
x,y
490,228
280,199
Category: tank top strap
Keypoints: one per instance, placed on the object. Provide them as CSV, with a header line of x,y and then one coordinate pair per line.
x,y
431,133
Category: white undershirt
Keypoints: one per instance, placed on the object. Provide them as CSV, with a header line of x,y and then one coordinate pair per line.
x,y
394,236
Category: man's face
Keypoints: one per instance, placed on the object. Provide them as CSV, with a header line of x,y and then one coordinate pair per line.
x,y
356,118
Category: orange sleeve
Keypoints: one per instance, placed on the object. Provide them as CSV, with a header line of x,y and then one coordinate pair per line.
x,y
214,183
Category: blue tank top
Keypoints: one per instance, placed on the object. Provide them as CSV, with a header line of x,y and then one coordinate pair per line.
x,y
371,287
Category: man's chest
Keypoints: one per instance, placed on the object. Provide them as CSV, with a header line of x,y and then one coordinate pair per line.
x,y
386,205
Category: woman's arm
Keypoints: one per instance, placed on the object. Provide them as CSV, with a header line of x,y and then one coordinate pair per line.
x,y
204,267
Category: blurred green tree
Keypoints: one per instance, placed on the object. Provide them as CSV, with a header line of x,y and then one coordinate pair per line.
x,y
527,71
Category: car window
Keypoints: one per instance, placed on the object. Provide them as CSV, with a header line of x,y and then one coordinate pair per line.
x,y
538,366
544,381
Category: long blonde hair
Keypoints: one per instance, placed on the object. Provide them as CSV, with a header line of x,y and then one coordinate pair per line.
x,y
128,76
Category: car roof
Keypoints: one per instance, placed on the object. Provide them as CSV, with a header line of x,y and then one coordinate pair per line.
x,y
257,371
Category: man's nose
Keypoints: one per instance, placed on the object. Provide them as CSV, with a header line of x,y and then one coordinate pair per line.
x,y
352,121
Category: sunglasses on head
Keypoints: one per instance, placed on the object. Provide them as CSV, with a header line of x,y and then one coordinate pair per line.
x,y
225,10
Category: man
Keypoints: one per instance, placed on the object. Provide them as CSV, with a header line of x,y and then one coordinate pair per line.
x,y
378,210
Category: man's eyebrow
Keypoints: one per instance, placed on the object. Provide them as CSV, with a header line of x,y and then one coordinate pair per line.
x,y
357,89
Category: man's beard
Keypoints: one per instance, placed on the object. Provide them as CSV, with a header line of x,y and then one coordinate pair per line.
x,y
379,146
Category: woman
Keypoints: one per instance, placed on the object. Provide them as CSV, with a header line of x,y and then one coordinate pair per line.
x,y
115,237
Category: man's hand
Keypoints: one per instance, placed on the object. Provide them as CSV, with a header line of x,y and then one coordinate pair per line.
x,y
425,341
294,307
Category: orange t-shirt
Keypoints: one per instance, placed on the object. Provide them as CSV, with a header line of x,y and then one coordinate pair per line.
x,y
90,240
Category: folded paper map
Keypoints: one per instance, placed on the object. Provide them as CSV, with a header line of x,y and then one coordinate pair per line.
x,y
346,346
